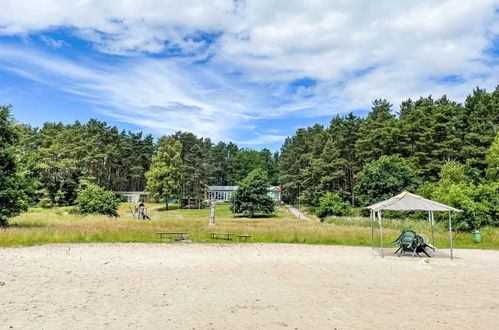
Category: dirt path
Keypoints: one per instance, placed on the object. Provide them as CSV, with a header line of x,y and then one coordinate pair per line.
x,y
297,213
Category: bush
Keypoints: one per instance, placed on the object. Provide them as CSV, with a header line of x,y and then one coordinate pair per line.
x,y
12,196
122,199
251,195
384,178
479,202
332,204
93,199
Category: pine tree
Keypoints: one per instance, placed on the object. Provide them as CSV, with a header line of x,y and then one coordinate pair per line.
x,y
295,157
376,133
492,161
344,133
479,126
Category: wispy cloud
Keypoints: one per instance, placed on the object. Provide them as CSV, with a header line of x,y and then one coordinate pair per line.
x,y
219,68
53,42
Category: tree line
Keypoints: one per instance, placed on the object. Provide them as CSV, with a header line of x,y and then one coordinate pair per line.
x,y
426,133
57,158
438,148
431,144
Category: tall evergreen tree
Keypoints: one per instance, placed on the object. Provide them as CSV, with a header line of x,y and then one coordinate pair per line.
x,y
492,161
195,163
344,133
376,133
479,126
295,158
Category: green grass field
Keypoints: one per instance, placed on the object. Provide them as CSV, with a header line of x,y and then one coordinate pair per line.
x,y
42,226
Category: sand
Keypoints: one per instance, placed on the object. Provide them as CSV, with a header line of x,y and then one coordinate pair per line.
x,y
243,286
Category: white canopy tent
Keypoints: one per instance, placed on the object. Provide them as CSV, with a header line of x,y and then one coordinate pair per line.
x,y
407,201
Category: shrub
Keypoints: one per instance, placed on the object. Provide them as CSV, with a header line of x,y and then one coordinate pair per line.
x,y
93,199
479,202
12,196
332,204
251,196
384,178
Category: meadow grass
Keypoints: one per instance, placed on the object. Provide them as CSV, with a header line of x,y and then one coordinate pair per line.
x,y
42,226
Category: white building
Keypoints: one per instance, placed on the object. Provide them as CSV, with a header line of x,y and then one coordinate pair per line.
x,y
224,193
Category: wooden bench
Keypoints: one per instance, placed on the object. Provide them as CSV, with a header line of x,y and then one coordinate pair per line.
x,y
226,236
172,235
244,236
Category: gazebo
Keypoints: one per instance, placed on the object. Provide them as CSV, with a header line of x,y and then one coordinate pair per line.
x,y
407,201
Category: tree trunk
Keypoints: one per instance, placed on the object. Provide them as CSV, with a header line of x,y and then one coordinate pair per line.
x,y
166,205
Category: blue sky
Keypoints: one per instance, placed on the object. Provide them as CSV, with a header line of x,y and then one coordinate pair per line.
x,y
251,72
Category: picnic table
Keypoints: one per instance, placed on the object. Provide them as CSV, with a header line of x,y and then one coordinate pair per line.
x,y
244,236
225,236
172,235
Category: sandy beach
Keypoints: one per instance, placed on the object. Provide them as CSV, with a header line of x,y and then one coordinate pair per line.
x,y
243,286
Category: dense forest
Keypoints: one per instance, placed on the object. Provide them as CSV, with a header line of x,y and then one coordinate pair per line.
x,y
55,158
431,144
427,133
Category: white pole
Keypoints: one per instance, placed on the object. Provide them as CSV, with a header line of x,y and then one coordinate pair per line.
x,y
432,228
299,202
450,236
372,228
381,233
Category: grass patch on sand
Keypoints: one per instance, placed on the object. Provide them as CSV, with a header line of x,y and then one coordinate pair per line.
x,y
42,226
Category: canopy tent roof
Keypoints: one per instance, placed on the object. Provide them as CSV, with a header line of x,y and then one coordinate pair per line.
x,y
407,201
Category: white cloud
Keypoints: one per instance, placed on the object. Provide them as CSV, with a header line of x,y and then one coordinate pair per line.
x,y
355,50
53,42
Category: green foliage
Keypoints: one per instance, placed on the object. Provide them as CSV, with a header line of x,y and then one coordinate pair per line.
x,y
479,202
251,196
385,178
55,158
93,199
332,204
12,196
377,133
163,178
45,201
40,226
478,126
427,133
296,155
492,161
244,161
219,167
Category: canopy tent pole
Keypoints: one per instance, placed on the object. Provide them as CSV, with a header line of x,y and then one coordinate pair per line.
x,y
432,228
450,236
372,228
407,201
381,233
